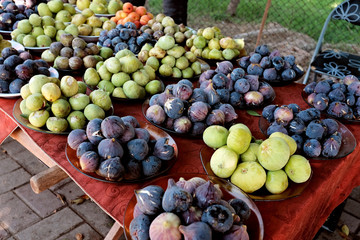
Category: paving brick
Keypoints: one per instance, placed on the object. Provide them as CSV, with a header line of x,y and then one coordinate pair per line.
x,y
70,191
87,232
8,165
28,161
51,227
60,184
14,214
3,233
94,216
352,207
352,222
13,179
12,146
43,204
355,194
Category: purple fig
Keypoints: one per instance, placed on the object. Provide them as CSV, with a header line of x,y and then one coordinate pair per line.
x,y
191,184
198,96
182,91
155,114
207,75
139,227
236,232
211,95
132,120
112,127
196,231
193,214
89,161
198,128
216,117
165,227
111,169
137,211
218,217
110,148
241,209
207,194
174,107
224,67
163,150
253,98
76,137
149,199
283,115
182,125
198,111
128,134
176,199
229,112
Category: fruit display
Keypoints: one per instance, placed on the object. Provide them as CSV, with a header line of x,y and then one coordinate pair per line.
x,y
125,37
101,7
209,43
339,100
17,68
185,110
73,54
56,9
164,25
130,13
90,25
118,149
271,66
41,31
59,105
124,77
253,165
314,136
231,85
170,59
11,13
189,209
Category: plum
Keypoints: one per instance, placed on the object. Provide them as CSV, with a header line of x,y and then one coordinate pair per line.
x,y
224,67
193,214
132,120
182,91
142,133
283,115
112,127
139,227
219,80
156,114
312,148
218,217
241,209
236,232
253,98
297,126
149,199
93,131
196,231
242,85
110,148
268,112
133,169
322,87
138,149
176,199
198,96
84,147
182,124
76,137
165,226
163,150
275,127
198,128
216,117
174,107
229,112
321,101
207,194
266,90
151,166
198,111
89,161
111,169
237,73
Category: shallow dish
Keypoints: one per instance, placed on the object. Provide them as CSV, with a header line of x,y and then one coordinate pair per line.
x,y
25,122
155,133
6,34
255,224
37,49
348,142
293,190
89,38
53,73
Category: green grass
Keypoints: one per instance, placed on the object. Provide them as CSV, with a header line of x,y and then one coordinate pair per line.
x,y
306,16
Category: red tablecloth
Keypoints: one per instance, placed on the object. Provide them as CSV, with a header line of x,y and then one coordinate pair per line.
x,y
296,218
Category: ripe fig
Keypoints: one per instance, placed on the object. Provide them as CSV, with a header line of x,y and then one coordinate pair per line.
x,y
182,124
139,227
93,131
207,194
111,169
236,232
196,231
163,150
218,217
176,199
128,134
191,184
76,137
151,166
174,107
110,148
149,199
165,226
112,127
84,147
241,208
138,149
193,214
89,161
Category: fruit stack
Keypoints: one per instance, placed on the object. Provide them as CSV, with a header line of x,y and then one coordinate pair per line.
x,y
99,6
268,163
313,135
117,148
192,209
10,14
340,100
124,77
130,13
185,110
61,105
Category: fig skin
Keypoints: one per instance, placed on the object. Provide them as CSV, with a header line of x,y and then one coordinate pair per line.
x,y
196,231
76,137
112,127
149,199
165,227
218,217
176,199
236,232
139,227
163,150
111,169
207,194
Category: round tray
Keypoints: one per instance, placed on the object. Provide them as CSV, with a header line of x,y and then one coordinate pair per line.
x,y
293,190
89,38
25,122
53,73
348,142
97,15
37,49
255,224
155,133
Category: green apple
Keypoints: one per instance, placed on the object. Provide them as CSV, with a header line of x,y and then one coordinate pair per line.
x,y
223,162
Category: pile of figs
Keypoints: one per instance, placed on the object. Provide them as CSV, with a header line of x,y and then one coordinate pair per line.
x,y
338,99
314,136
116,148
17,68
186,110
73,53
59,105
271,66
227,84
125,37
188,209
124,76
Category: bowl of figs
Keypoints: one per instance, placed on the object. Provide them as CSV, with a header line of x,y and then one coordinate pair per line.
x,y
192,206
120,150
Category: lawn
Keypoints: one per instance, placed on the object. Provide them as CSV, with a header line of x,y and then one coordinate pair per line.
x,y
306,16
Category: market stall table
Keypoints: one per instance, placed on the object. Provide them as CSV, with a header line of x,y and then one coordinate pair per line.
x,y
295,218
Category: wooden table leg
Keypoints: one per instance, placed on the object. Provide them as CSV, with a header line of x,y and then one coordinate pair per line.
x,y
47,178
115,233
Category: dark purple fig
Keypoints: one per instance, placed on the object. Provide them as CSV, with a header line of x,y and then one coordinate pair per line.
x,y
275,127
139,227
176,199
164,96
218,217
312,148
216,117
236,232
254,82
111,169
138,149
241,209
137,211
156,114
229,112
253,98
149,199
154,99
151,166
311,98
331,125
266,90
93,131
191,184
207,194
76,137
182,125
338,109
193,214
128,134
174,107
89,161
224,67
110,148
142,133
244,62
219,80
348,79
196,231
198,111
133,169
84,147
132,120
163,150
211,95
23,72
207,75
242,86
330,148
310,88
205,84
198,128
198,96
169,123
8,51
182,91
112,127
268,112
237,73
25,55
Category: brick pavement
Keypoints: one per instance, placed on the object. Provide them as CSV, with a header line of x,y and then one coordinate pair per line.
x,y
25,215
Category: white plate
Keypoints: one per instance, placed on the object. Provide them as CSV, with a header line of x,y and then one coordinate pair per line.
x,y
37,49
89,38
97,14
5,33
53,73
